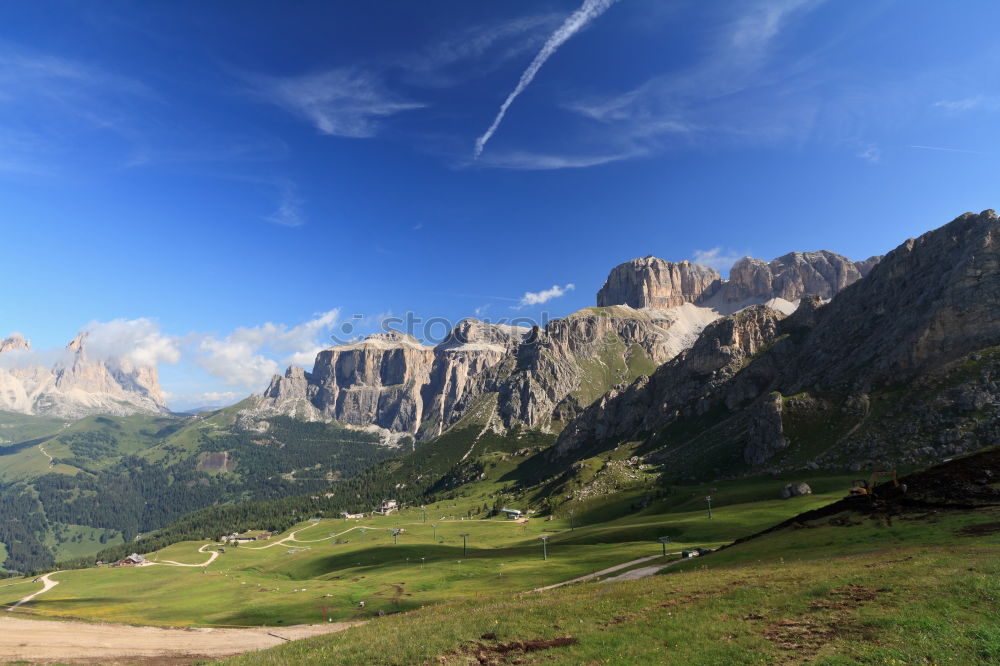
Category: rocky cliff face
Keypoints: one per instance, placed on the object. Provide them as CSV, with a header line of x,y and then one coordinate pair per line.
x,y
900,367
560,369
654,283
931,300
472,348
677,389
377,381
538,378
649,310
389,380
76,385
791,277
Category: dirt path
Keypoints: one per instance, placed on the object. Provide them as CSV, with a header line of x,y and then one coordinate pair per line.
x,y
291,537
45,640
602,572
47,584
211,558
52,461
641,572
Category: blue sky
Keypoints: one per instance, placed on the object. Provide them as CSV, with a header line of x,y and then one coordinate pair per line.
x,y
220,186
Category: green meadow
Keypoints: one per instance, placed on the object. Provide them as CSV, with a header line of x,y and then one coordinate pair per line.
x,y
847,589
332,565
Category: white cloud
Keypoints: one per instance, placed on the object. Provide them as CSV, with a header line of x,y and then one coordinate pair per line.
x,y
752,32
347,102
236,362
289,210
588,11
544,296
474,52
137,340
527,161
717,258
969,104
209,399
871,154
699,103
244,357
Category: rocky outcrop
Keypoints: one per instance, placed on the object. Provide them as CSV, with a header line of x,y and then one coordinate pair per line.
x,y
795,490
15,342
654,283
472,348
562,368
931,300
76,385
679,389
536,378
389,380
791,277
765,436
915,342
377,381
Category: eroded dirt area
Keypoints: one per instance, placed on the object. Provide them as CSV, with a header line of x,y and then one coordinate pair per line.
x,y
46,641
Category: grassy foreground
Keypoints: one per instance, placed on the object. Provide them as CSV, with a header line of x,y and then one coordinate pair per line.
x,y
843,590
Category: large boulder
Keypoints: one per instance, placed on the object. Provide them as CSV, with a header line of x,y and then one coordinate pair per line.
x,y
795,490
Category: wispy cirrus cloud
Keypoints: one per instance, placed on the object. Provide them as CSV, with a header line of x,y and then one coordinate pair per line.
x,y
544,296
347,101
289,210
528,161
61,117
472,52
718,258
48,103
870,153
974,103
696,104
355,101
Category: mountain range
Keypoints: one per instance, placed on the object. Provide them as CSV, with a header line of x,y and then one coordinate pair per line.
x,y
77,384
808,362
648,311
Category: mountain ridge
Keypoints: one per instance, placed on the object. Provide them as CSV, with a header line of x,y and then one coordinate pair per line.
x,y
76,384
648,311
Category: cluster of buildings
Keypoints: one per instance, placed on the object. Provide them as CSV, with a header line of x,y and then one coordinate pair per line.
x,y
387,507
244,538
133,560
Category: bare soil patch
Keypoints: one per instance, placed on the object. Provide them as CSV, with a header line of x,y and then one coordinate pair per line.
x,y
491,654
46,641
982,529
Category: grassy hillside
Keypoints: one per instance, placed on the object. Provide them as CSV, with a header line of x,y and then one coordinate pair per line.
x,y
17,429
337,563
104,480
909,579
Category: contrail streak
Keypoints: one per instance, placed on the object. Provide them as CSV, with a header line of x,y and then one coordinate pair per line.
x,y
588,11
948,150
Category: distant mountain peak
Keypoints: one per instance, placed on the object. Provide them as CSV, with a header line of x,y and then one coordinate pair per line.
x,y
76,385
14,342
655,283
